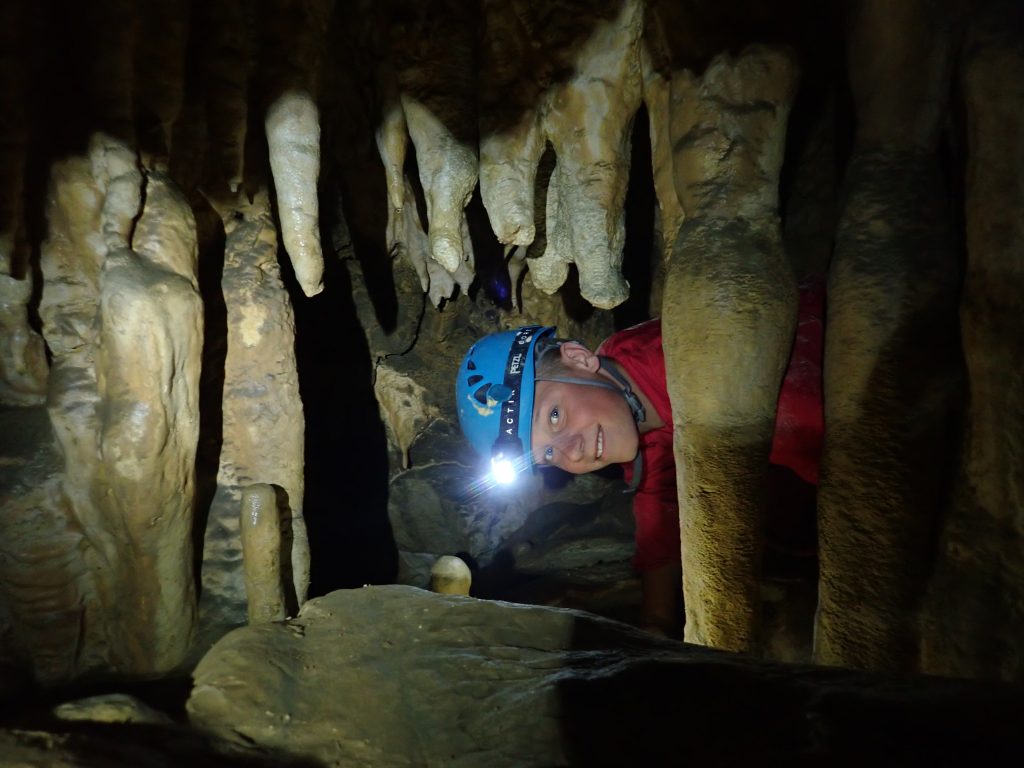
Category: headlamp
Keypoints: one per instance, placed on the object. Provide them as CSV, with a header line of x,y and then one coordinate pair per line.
x,y
503,471
508,458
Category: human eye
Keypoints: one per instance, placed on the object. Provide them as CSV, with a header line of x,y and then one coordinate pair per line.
x,y
554,416
549,454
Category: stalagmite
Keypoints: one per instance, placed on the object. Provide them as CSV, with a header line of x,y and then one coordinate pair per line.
x,y
891,371
125,330
293,139
260,529
115,167
450,576
23,368
44,586
262,427
71,259
728,318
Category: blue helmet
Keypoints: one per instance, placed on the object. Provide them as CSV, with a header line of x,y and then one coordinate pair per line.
x,y
494,397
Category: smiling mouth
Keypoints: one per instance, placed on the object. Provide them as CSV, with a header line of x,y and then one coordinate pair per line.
x,y
600,442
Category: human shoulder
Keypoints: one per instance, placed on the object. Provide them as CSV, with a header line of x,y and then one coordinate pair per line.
x,y
634,340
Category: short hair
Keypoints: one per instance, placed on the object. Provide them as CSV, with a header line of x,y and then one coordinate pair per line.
x,y
547,358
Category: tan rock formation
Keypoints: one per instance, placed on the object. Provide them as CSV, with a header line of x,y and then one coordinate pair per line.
x,y
576,85
23,368
293,44
125,330
656,66
891,369
728,318
263,423
260,528
972,618
147,377
450,576
433,53
404,407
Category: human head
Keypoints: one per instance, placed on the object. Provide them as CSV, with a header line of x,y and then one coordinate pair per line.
x,y
581,422
496,388
494,397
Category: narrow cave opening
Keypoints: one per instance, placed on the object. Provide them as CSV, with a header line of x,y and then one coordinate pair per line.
x,y
346,457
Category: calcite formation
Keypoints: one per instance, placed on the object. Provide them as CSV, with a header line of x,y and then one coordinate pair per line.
x,y
260,528
167,170
891,372
965,634
578,87
262,423
728,320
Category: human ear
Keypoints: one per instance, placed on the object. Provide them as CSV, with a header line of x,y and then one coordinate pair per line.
x,y
575,355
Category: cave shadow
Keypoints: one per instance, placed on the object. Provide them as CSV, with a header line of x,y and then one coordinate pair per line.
x,y
629,699
346,462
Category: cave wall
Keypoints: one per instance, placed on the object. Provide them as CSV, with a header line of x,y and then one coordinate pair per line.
x,y
245,245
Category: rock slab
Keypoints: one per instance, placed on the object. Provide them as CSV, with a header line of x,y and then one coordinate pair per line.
x,y
395,676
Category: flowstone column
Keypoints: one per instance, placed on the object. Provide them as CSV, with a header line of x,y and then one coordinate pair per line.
x,y
147,366
728,318
263,424
890,370
123,317
973,623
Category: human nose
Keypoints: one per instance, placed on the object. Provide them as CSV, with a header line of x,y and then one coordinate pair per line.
x,y
570,447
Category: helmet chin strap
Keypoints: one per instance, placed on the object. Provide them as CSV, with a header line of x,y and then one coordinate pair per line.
x,y
635,406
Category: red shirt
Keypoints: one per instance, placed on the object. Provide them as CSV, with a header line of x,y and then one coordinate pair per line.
x,y
799,424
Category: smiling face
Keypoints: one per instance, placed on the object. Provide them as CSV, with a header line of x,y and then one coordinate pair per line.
x,y
581,428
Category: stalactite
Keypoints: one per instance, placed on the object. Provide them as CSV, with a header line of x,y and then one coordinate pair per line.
x,y
159,84
433,54
226,57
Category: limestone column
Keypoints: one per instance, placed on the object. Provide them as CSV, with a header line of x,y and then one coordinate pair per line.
x,y
263,426
147,380
972,619
890,371
728,319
